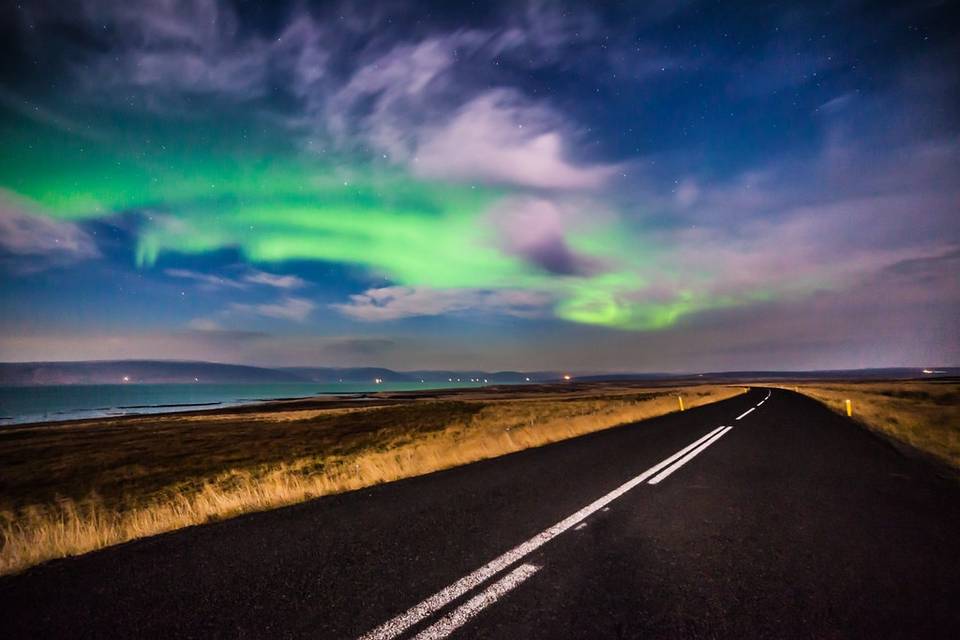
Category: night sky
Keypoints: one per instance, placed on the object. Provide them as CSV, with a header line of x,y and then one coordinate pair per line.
x,y
646,186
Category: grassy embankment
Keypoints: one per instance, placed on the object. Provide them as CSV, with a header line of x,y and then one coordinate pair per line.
x,y
924,415
72,488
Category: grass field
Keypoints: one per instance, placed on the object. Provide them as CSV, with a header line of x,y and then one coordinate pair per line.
x,y
75,487
924,415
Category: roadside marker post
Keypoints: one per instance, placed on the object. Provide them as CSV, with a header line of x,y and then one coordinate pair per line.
x,y
680,398
849,408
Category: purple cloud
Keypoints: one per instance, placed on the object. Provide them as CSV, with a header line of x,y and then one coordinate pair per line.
x,y
393,303
40,241
536,230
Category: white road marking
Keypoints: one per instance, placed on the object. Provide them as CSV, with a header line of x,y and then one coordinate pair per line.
x,y
687,458
746,413
397,625
764,400
582,525
459,616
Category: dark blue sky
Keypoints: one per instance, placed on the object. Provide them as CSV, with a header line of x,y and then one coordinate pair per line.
x,y
637,186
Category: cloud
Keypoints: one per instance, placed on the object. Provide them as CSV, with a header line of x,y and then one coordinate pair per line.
x,y
413,100
253,276
925,269
206,281
358,347
204,324
393,303
415,105
438,104
289,308
501,137
36,242
687,193
536,230
387,97
39,113
211,331
274,280
174,48
409,100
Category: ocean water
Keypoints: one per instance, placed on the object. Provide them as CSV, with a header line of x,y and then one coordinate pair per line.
x,y
19,405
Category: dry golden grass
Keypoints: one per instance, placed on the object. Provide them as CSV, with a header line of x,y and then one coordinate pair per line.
x,y
924,415
70,489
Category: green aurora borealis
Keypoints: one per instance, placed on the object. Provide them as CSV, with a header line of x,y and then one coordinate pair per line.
x,y
566,186
203,188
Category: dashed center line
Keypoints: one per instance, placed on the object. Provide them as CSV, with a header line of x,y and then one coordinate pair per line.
x,y
760,404
746,413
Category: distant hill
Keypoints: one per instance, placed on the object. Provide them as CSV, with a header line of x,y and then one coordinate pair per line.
x,y
172,372
495,377
175,372
347,374
136,372
889,373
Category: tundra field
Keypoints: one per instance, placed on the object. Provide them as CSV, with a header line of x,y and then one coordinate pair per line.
x,y
74,487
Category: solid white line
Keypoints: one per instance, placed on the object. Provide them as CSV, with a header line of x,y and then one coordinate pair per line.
x,y
746,413
687,458
397,625
459,616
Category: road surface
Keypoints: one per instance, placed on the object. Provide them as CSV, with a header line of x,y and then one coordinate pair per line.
x,y
764,515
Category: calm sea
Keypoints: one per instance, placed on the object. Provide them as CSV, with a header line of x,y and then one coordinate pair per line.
x,y
20,405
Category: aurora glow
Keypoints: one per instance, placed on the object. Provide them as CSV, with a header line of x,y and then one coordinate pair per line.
x,y
280,204
532,166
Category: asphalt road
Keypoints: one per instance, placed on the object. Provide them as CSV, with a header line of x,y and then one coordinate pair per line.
x,y
792,523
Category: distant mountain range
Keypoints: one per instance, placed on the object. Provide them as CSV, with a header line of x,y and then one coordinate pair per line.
x,y
164,371
172,372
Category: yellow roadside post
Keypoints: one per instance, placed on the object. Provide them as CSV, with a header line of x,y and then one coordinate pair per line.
x,y
680,398
849,408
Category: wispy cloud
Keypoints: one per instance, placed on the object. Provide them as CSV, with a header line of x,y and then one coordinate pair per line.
x,y
252,276
537,230
207,281
40,241
393,303
502,137
274,280
174,49
289,308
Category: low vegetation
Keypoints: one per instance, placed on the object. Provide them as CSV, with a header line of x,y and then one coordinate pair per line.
x,y
924,415
71,488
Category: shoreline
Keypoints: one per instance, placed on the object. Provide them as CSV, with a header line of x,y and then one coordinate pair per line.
x,y
190,408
